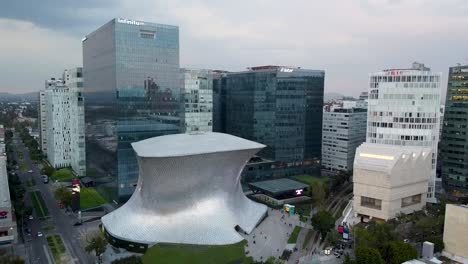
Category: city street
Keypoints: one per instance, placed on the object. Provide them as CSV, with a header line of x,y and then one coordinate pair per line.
x,y
37,248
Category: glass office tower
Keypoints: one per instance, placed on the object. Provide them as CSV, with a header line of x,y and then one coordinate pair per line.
x,y
280,107
132,92
454,142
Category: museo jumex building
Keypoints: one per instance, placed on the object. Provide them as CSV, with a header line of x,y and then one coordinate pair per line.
x,y
131,84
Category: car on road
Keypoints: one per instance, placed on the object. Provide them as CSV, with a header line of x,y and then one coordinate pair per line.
x,y
30,217
30,171
45,179
39,234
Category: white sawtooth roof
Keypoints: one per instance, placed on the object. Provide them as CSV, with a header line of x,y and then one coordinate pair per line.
x,y
192,144
382,157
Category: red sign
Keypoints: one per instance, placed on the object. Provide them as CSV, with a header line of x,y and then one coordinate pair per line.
x,y
341,229
3,214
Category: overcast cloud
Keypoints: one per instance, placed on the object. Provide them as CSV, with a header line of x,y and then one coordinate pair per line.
x,y
346,38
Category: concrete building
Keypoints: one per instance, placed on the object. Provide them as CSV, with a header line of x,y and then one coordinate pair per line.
x,y
404,110
62,121
454,143
42,120
8,230
455,233
389,180
344,129
132,90
188,192
73,78
197,91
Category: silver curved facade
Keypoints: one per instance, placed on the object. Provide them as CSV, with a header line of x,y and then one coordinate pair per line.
x,y
188,192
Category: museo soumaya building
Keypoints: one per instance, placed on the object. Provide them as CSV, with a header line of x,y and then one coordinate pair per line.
x,y
188,192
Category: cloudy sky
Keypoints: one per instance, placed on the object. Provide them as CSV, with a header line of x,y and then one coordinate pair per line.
x,y
346,38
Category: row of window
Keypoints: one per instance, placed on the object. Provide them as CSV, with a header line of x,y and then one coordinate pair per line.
x,y
413,78
377,203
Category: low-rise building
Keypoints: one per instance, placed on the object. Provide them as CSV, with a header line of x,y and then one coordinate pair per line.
x,y
389,180
8,232
455,233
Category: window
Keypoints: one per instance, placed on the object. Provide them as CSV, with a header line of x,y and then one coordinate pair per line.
x,y
147,34
371,202
415,199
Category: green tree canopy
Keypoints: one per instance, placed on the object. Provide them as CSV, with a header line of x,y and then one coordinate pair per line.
x,y
367,255
63,195
97,243
48,170
397,252
317,191
323,222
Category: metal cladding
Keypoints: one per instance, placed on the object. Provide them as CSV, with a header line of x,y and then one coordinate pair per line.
x,y
188,192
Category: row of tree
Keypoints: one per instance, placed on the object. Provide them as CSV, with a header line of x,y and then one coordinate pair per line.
x,y
35,151
379,243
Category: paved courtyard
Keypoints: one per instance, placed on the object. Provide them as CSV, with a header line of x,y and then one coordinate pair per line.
x,y
272,235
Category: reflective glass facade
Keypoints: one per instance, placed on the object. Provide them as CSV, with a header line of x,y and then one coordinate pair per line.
x,y
279,107
132,92
454,141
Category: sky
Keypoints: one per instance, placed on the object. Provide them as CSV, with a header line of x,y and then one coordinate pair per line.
x,y
346,38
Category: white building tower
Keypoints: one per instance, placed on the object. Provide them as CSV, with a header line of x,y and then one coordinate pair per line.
x,y
404,109
62,121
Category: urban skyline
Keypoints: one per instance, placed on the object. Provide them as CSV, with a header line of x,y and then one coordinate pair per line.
x,y
358,35
254,132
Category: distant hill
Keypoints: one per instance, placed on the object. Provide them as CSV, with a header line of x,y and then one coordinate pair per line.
x,y
28,97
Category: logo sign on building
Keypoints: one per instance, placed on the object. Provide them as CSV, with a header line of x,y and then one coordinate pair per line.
x,y
76,189
3,214
129,22
286,70
299,192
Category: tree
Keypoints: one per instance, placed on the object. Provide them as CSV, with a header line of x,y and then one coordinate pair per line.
x,y
318,194
48,170
97,243
375,236
348,260
63,195
438,242
366,255
129,260
397,252
333,238
323,222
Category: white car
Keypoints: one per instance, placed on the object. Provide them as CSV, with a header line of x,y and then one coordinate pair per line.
x,y
30,171
31,217
39,234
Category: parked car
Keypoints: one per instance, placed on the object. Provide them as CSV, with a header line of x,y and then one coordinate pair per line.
x,y
39,234
45,179
31,217
30,171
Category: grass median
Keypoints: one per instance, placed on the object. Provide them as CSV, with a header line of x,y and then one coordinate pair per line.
x,y
39,205
57,247
293,238
30,182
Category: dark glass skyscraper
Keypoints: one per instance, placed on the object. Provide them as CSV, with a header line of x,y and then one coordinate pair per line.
x,y
280,107
454,141
132,91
